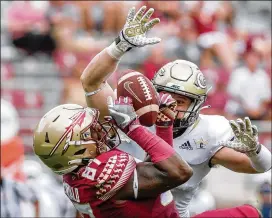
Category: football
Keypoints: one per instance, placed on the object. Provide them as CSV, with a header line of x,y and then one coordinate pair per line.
x,y
143,94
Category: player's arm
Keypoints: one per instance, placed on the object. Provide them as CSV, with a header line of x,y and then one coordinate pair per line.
x,y
245,154
165,119
166,171
103,64
154,178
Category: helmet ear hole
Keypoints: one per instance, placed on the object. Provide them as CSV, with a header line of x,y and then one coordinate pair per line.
x,y
46,138
80,152
57,166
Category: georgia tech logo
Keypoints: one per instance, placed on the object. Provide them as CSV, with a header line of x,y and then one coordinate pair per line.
x,y
201,81
201,143
127,87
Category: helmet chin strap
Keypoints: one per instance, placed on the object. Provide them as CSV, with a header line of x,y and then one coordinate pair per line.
x,y
205,107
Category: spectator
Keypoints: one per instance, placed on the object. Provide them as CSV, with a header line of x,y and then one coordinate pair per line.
x,y
166,12
12,148
75,45
155,61
249,87
12,194
266,194
186,47
29,28
49,191
218,96
206,16
67,22
103,17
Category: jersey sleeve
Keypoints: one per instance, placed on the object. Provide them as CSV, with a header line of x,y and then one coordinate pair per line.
x,y
221,132
113,173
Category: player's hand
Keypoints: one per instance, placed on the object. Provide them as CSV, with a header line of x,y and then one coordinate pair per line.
x,y
123,113
167,112
246,136
134,32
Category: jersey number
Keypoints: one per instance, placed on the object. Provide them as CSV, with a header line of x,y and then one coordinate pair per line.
x,y
89,173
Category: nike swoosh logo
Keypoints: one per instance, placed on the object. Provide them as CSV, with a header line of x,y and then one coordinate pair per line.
x,y
127,87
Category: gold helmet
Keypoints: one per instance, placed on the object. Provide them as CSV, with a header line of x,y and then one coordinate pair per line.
x,y
69,135
183,78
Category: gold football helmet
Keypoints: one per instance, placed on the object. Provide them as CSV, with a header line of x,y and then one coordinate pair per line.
x,y
183,78
69,135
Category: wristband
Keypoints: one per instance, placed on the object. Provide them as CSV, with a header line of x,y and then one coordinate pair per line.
x,y
118,48
261,162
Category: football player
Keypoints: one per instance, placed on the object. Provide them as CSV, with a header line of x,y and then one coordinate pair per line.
x,y
201,136
204,140
100,180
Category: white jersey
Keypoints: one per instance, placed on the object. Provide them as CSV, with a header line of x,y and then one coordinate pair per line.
x,y
197,145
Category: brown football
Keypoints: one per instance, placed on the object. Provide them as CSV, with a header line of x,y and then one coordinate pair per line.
x,y
143,94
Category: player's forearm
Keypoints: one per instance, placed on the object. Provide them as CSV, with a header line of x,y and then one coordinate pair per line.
x,y
242,163
162,155
166,133
241,166
98,70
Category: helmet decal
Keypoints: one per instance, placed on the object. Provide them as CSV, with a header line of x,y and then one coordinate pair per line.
x,y
200,81
161,72
77,119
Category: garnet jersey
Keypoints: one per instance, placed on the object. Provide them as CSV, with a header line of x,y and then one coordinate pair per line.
x,y
92,189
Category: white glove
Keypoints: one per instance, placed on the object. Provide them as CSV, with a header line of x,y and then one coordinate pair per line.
x,y
123,113
134,32
246,140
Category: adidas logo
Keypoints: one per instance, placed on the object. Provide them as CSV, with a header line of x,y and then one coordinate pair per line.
x,y
186,146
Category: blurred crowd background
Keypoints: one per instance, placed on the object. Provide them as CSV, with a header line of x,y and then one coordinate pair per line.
x,y
45,45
